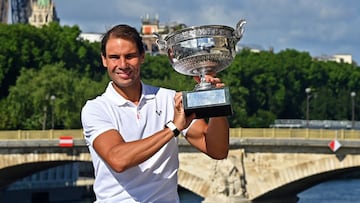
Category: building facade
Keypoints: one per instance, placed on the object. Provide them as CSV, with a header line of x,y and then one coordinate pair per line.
x,y
42,12
4,11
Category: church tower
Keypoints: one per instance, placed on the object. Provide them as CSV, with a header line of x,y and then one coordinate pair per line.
x,y
42,12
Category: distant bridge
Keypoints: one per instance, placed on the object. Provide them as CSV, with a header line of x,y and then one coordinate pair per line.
x,y
263,164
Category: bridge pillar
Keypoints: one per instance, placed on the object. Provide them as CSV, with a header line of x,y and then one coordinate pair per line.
x,y
233,199
215,180
228,183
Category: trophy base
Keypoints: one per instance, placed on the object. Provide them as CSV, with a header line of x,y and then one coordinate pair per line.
x,y
208,103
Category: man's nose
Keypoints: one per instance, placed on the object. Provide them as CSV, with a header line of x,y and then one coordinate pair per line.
x,y
122,62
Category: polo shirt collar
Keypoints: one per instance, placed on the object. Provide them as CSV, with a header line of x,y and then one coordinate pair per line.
x,y
119,100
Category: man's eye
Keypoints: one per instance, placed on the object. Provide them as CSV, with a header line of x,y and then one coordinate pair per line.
x,y
114,57
131,56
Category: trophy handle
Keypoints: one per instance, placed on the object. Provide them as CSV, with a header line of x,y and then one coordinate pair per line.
x,y
160,42
238,32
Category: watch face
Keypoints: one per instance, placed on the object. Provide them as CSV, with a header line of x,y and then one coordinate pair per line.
x,y
173,128
171,125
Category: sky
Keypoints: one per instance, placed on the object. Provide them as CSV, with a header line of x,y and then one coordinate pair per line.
x,y
319,27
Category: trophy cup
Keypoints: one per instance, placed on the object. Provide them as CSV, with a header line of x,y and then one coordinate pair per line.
x,y
198,51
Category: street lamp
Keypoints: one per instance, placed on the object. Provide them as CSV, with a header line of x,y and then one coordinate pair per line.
x,y
353,94
52,99
308,96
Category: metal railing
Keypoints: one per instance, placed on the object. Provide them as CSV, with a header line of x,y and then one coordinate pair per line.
x,y
271,133
39,134
296,133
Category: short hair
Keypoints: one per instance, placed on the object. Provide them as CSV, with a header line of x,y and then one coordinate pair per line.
x,y
124,32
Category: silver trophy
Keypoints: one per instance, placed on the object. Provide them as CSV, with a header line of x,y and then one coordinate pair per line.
x,y
198,51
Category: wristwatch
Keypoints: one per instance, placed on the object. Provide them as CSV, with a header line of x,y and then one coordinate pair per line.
x,y
173,128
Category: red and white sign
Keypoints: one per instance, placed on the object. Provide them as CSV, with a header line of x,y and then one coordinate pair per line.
x,y
334,145
66,141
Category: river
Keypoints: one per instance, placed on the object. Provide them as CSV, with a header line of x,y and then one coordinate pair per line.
x,y
334,191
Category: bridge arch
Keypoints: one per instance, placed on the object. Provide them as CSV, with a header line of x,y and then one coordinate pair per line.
x,y
17,171
267,167
297,178
18,165
193,183
14,173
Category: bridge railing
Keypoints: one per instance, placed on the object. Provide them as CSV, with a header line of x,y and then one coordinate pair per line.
x,y
271,133
39,134
300,133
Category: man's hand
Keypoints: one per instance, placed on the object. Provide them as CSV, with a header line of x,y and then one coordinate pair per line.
x,y
180,119
211,78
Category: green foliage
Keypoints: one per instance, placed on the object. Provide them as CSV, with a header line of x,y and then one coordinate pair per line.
x,y
158,71
36,63
265,86
47,74
25,46
51,94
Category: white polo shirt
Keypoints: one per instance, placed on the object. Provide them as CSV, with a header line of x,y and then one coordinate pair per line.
x,y
154,180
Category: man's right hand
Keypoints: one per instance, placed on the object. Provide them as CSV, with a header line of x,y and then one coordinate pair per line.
x,y
180,119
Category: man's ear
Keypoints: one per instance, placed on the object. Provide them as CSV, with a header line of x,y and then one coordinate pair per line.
x,y
103,59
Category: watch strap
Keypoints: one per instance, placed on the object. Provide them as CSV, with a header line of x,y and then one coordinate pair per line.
x,y
173,128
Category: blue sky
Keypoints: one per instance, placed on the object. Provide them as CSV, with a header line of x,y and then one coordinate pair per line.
x,y
320,27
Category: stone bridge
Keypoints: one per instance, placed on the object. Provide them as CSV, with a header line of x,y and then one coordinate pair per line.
x,y
262,169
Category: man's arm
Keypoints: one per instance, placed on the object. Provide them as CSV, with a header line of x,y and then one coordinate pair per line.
x,y
121,155
211,138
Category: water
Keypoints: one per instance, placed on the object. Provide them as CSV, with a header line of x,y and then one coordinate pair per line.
x,y
335,191
187,196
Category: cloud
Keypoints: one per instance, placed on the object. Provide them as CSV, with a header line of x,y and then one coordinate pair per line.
x,y
319,27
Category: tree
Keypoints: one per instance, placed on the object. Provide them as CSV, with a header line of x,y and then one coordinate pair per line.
x,y
51,92
38,63
29,47
158,71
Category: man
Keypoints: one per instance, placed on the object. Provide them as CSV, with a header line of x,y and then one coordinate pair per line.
x,y
132,128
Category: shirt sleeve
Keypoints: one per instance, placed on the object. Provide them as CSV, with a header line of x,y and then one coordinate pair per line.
x,y
183,132
95,121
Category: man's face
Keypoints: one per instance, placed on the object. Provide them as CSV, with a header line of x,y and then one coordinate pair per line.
x,y
123,62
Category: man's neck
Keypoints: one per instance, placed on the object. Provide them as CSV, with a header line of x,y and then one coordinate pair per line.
x,y
131,93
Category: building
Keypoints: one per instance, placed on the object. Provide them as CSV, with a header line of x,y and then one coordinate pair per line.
x,y
42,12
91,36
148,27
34,12
151,25
339,58
4,11
342,58
20,11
